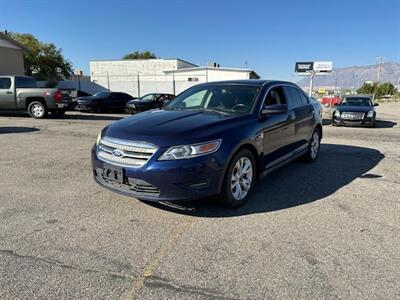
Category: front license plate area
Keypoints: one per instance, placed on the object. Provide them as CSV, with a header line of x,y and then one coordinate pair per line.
x,y
113,173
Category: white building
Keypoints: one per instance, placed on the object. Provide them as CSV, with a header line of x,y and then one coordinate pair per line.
x,y
139,77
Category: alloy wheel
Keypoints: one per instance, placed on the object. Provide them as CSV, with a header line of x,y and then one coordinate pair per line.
x,y
241,179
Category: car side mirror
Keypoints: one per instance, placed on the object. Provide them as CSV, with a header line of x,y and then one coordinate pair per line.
x,y
274,109
376,104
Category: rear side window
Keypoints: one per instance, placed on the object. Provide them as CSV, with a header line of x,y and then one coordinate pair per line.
x,y
25,82
304,99
5,83
293,97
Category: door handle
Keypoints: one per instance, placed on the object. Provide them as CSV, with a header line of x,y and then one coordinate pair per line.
x,y
8,92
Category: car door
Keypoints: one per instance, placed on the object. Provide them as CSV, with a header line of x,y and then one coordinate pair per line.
x,y
304,116
7,94
278,129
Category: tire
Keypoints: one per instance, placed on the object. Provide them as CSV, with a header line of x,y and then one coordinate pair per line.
x,y
237,185
313,147
37,110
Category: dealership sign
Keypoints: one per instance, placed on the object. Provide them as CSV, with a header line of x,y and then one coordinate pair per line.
x,y
304,67
322,66
314,67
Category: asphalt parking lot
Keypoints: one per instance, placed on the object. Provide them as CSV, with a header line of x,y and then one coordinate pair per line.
x,y
325,230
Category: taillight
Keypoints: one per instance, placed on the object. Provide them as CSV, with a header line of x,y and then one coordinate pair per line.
x,y
58,96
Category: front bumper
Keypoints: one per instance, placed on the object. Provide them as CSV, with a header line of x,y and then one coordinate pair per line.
x,y
84,107
358,122
185,179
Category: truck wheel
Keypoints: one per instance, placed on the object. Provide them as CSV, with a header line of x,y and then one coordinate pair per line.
x,y
239,180
313,147
37,110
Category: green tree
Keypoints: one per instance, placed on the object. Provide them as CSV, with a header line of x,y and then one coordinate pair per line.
x,y
378,90
43,61
140,55
367,88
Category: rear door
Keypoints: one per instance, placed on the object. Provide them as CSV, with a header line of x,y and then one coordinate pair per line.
x,y
278,130
7,94
304,112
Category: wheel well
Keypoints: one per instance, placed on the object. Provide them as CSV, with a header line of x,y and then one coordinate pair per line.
x,y
319,127
253,150
32,99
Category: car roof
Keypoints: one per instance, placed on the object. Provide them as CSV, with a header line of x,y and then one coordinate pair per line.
x,y
359,96
257,82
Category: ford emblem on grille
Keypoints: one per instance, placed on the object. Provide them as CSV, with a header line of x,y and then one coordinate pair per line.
x,y
118,153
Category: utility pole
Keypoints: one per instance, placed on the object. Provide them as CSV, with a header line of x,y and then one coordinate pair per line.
x,y
378,75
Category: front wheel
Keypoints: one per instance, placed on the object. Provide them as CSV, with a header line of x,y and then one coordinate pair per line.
x,y
239,180
37,110
313,146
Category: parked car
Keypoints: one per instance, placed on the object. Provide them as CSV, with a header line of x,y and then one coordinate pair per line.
x,y
147,102
355,110
104,102
330,101
22,93
213,139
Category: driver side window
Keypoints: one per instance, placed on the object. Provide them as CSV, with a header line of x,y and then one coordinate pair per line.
x,y
275,96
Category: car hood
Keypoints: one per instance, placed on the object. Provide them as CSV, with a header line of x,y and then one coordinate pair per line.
x,y
139,102
354,108
166,128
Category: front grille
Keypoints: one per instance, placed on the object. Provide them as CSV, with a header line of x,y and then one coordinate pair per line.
x,y
125,153
352,115
132,186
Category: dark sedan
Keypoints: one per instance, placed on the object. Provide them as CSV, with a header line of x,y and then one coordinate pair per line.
x,y
355,110
104,102
147,102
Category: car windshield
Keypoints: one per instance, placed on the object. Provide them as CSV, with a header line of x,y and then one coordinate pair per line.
x,y
147,97
102,94
357,101
230,99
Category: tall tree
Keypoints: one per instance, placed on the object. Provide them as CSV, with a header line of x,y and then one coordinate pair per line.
x,y
43,61
140,55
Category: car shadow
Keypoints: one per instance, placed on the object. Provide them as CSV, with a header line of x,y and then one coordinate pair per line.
x,y
5,130
384,124
296,184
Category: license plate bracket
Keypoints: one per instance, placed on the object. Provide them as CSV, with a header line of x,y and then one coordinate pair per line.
x,y
113,173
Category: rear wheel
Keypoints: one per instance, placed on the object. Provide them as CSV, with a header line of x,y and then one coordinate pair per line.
x,y
239,180
313,146
37,110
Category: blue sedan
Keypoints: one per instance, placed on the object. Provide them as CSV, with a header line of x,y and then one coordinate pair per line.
x,y
213,139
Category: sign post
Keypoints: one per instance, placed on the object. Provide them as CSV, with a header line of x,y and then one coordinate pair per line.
x,y
312,69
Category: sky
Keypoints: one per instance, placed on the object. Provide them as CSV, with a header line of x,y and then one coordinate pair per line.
x,y
269,35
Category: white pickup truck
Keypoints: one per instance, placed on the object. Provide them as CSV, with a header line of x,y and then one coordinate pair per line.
x,y
22,93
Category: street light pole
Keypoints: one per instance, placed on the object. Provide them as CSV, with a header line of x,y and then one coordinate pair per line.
x,y
311,82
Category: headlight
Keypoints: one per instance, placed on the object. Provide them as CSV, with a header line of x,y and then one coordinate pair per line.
x,y
337,113
370,114
189,151
132,105
98,139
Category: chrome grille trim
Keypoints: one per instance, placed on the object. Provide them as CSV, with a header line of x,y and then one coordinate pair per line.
x,y
352,115
131,154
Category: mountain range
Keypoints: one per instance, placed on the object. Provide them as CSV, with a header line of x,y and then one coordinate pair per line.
x,y
353,77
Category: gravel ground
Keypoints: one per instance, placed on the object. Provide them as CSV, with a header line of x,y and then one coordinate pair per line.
x,y
326,230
